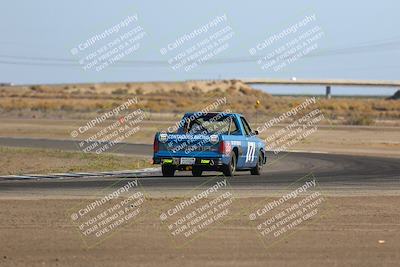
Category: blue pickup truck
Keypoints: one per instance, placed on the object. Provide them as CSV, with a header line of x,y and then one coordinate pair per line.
x,y
215,141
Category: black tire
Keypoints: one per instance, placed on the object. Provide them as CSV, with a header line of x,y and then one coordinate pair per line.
x,y
257,169
229,170
196,172
167,170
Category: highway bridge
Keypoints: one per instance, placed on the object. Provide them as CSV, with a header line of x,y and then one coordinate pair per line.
x,y
327,83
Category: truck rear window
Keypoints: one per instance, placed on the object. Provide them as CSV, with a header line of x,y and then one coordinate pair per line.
x,y
210,124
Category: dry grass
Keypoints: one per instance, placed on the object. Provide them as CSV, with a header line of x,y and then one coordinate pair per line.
x,y
32,160
76,100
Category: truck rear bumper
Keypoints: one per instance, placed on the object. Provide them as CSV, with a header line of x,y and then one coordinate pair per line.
x,y
200,161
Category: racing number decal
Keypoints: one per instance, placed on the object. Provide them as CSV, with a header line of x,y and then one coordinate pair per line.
x,y
251,149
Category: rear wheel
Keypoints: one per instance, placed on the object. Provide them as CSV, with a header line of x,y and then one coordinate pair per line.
x,y
229,170
167,170
196,172
257,169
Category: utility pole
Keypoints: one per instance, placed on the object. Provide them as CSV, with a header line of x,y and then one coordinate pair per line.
x,y
328,92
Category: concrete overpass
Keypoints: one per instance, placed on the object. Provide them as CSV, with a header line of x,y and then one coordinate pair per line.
x,y
328,83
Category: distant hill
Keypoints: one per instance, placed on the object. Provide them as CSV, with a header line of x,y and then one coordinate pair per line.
x,y
144,88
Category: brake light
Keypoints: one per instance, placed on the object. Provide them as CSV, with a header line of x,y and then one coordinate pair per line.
x,y
155,145
225,147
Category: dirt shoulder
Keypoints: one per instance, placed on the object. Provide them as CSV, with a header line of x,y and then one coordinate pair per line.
x,y
357,231
16,161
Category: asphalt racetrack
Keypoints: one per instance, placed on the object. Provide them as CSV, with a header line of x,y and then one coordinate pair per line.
x,y
332,171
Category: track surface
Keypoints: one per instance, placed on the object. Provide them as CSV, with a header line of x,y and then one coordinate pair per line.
x,y
330,170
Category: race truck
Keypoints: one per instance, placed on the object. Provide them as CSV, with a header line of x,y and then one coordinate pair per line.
x,y
209,142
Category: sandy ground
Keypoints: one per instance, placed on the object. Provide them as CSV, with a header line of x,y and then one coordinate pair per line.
x,y
352,231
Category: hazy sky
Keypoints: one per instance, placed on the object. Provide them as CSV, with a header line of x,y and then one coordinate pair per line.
x,y
361,39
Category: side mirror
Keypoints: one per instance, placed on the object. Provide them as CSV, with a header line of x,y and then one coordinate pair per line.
x,y
255,132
